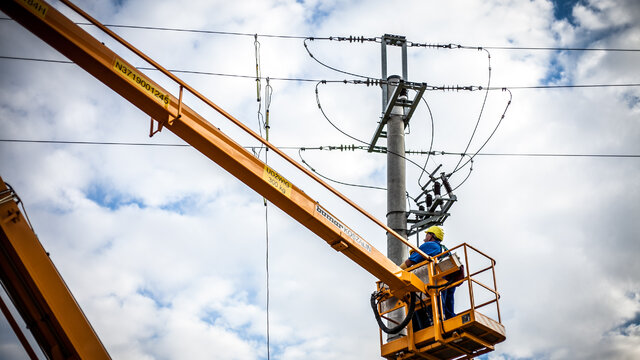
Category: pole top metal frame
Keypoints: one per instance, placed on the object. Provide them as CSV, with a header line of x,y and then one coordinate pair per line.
x,y
399,95
392,40
398,98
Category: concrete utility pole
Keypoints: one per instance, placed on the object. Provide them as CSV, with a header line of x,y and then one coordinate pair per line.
x,y
394,119
396,177
397,109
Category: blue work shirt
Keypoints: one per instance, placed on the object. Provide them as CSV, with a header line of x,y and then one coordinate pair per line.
x,y
430,248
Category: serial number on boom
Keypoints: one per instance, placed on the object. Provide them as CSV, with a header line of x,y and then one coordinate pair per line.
x,y
134,77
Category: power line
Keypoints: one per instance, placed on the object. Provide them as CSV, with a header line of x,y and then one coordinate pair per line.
x,y
198,31
577,86
327,148
354,39
504,113
331,122
121,143
175,70
70,142
331,67
543,155
333,180
356,139
371,82
484,102
430,144
468,174
214,32
36,59
533,48
266,231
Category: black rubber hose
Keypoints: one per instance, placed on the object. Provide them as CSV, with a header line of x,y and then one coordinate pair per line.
x,y
403,324
438,286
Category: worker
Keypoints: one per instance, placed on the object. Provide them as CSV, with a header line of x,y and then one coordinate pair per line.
x,y
431,246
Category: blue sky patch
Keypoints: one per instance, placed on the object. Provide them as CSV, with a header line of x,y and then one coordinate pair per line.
x,y
187,204
156,299
118,3
110,198
318,13
210,317
624,327
555,72
563,9
632,100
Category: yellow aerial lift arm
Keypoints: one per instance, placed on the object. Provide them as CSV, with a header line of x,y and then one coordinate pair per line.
x,y
170,112
38,291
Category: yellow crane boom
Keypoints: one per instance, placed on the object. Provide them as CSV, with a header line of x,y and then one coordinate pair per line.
x,y
39,292
171,113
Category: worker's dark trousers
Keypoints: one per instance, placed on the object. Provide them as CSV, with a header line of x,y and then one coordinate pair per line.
x,y
423,318
447,301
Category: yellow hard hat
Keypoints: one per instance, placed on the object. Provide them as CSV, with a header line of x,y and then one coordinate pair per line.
x,y
436,231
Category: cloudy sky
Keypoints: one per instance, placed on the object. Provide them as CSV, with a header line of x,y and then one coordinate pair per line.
x,y
166,252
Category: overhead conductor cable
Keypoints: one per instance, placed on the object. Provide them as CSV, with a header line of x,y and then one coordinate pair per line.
x,y
256,45
261,121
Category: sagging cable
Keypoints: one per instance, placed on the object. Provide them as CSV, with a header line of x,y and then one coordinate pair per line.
x,y
375,297
256,46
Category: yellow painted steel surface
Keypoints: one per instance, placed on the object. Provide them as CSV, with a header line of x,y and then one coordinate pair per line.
x,y
464,336
90,54
38,291
168,110
468,333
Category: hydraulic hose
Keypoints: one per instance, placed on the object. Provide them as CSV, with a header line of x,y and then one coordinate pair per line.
x,y
403,324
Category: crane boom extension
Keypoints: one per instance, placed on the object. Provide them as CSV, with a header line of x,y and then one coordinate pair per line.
x,y
57,321
39,292
94,57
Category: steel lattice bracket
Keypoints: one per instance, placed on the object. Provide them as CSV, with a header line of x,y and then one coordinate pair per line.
x,y
398,100
435,215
